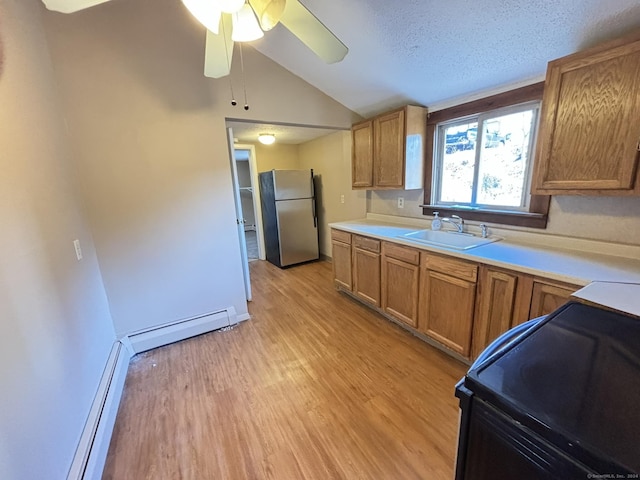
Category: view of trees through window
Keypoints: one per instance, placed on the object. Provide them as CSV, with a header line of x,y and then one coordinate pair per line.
x,y
484,161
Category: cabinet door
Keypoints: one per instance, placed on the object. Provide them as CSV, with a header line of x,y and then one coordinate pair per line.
x,y
496,302
388,151
547,297
341,262
446,310
400,290
362,155
366,276
590,123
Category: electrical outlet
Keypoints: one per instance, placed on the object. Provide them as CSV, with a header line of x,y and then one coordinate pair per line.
x,y
341,198
400,202
76,245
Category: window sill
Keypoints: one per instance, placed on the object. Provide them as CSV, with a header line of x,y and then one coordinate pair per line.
x,y
505,217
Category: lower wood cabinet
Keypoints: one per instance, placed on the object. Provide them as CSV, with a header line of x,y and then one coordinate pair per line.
x,y
447,301
507,298
341,259
503,302
400,274
459,304
547,296
366,269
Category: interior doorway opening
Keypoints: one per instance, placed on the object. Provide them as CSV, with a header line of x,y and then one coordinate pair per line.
x,y
250,200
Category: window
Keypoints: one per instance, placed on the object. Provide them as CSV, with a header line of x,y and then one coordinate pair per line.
x,y
480,157
484,161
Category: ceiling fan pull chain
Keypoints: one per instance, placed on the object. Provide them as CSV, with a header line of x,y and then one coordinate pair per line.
x,y
244,85
226,51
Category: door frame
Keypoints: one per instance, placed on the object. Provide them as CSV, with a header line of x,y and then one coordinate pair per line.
x,y
255,187
242,242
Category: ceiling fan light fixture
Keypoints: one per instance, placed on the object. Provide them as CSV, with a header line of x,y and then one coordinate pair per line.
x,y
266,138
269,12
208,13
245,25
229,6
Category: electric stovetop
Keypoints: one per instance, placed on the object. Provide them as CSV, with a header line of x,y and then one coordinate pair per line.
x,y
574,379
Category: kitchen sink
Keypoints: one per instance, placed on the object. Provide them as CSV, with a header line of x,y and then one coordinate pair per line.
x,y
458,241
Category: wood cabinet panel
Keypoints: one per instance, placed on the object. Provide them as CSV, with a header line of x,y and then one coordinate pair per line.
x,y
341,264
366,243
452,266
400,290
366,275
590,122
340,236
399,252
547,297
447,310
495,307
362,155
388,152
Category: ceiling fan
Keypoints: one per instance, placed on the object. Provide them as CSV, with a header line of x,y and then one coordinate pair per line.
x,y
229,21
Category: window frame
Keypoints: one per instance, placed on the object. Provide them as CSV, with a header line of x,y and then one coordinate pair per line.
x,y
536,216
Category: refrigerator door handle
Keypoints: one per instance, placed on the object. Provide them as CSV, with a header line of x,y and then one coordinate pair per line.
x,y
315,217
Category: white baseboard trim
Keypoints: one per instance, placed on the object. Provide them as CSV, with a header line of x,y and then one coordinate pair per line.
x,y
175,331
91,454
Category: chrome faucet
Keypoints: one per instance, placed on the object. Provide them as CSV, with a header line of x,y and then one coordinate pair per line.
x,y
459,224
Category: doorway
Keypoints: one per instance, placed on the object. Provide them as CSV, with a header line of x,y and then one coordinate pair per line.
x,y
250,200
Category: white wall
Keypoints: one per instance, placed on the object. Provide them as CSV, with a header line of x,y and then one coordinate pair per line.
x,y
55,327
330,158
149,130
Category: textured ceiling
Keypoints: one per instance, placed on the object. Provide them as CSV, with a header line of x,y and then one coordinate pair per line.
x,y
436,53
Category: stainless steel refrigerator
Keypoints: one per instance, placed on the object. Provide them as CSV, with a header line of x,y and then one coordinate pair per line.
x,y
289,216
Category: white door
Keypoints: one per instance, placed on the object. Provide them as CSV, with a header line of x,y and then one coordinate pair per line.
x,y
239,217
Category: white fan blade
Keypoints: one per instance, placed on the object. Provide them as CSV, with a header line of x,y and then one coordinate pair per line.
x,y
304,25
218,51
70,6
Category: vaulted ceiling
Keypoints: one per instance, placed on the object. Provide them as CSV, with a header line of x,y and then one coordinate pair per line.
x,y
435,53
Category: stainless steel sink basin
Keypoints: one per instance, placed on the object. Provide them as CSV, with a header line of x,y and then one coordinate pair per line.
x,y
458,241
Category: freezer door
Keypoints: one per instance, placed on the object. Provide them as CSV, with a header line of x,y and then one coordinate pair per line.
x,y
297,231
290,184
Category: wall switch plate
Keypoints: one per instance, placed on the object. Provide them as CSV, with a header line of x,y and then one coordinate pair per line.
x,y
400,202
341,198
76,245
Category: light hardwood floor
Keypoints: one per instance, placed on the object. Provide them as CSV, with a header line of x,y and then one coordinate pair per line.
x,y
314,386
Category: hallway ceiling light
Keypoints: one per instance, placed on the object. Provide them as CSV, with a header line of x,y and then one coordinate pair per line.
x,y
266,138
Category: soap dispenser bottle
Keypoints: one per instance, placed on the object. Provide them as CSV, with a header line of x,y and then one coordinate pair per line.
x,y
436,223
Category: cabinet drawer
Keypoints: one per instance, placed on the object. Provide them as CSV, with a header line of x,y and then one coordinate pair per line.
x,y
365,243
406,254
453,267
340,236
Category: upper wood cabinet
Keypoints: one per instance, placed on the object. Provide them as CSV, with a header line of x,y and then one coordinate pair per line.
x,y
362,155
589,138
388,150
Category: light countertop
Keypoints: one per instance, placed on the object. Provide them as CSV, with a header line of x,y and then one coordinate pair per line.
x,y
578,267
623,297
